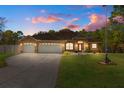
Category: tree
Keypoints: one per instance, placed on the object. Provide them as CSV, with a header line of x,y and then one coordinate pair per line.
x,y
2,26
51,31
20,34
117,16
8,37
118,10
117,26
66,34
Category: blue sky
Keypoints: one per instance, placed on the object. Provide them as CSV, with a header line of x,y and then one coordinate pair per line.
x,y
34,18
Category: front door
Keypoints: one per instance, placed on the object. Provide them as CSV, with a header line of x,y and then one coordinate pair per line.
x,y
79,47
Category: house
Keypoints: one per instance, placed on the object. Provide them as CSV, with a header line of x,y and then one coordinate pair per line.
x,y
31,45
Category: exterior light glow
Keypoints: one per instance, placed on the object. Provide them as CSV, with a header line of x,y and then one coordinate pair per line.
x,y
20,44
76,45
35,44
62,45
80,41
86,45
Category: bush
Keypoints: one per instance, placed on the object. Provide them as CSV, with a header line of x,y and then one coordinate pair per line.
x,y
67,53
3,56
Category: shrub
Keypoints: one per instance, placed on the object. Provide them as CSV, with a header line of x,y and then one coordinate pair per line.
x,y
67,53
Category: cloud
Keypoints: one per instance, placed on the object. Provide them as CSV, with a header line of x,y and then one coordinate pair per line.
x,y
70,24
49,19
97,21
88,6
27,18
72,27
43,11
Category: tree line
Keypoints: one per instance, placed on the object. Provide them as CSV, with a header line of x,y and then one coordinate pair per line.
x,y
10,37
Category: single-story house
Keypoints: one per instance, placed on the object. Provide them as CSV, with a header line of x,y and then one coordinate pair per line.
x,y
31,45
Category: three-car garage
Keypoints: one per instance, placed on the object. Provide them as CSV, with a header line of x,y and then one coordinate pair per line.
x,y
42,48
32,45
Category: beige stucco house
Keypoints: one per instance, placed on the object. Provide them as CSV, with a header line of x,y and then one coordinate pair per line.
x,y
31,45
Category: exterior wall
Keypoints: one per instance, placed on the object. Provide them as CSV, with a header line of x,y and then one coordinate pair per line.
x,y
86,46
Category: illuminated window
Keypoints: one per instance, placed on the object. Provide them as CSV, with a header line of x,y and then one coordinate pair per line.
x,y
94,45
69,46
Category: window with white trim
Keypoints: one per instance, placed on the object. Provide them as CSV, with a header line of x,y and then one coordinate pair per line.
x,y
94,45
69,46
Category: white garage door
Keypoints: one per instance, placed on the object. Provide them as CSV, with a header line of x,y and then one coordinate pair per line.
x,y
50,48
29,48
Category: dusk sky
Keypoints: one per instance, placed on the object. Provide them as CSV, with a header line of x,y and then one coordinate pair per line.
x,y
32,19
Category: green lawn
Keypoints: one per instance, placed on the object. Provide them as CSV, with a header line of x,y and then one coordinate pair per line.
x,y
3,56
84,71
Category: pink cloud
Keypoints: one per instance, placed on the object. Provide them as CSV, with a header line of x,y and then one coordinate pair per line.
x,y
72,20
70,24
97,21
49,19
73,27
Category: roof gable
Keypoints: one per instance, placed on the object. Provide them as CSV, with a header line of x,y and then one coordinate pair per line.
x,y
28,39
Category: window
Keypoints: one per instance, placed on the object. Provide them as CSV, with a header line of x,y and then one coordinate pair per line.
x,y
94,45
69,46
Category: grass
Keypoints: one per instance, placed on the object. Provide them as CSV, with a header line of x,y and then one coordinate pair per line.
x,y
3,56
85,72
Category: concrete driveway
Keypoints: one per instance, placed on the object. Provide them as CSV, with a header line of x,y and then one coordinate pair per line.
x,y
30,70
